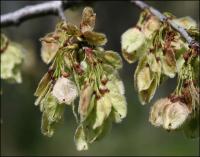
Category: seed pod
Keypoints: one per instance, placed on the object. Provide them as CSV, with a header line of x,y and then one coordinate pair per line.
x,y
175,115
117,99
95,39
88,20
65,90
150,26
11,60
47,128
144,79
48,51
113,58
133,44
80,139
169,64
43,84
154,64
156,113
52,109
103,109
85,98
146,95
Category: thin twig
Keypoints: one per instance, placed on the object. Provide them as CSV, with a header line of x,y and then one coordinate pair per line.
x,y
163,18
32,11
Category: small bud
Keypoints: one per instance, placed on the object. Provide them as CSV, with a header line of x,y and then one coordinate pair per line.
x,y
83,65
65,74
104,79
65,90
78,68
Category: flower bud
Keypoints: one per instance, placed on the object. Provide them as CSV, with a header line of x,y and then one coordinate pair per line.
x,y
65,90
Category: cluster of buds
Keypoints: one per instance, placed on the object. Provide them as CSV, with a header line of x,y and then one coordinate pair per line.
x,y
80,67
163,53
12,56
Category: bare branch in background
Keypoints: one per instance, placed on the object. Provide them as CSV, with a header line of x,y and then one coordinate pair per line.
x,y
163,18
57,8
32,11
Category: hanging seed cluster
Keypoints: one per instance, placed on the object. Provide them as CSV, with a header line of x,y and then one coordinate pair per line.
x,y
80,68
11,59
162,53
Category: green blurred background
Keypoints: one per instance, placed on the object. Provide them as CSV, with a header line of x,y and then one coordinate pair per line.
x,y
20,119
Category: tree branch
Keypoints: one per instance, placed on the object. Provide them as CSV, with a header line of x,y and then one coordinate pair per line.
x,y
163,18
32,11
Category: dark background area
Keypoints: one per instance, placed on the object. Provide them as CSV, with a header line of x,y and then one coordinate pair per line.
x,y
20,119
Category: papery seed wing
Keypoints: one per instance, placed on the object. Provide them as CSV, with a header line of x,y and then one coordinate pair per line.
x,y
95,39
133,44
144,79
103,109
113,58
47,128
169,64
42,84
88,20
80,139
146,95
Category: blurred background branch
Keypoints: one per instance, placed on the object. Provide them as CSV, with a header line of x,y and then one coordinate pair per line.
x,y
32,11
57,8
